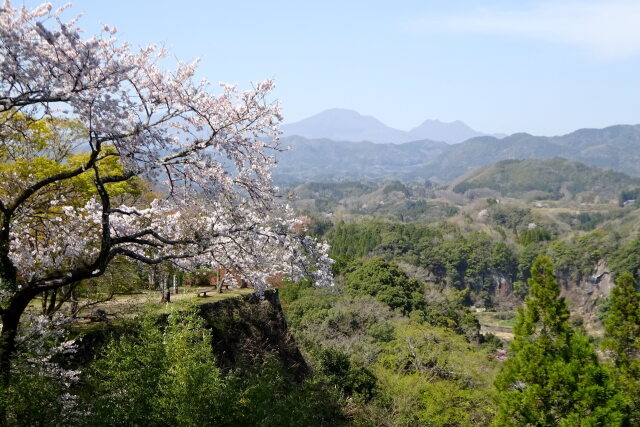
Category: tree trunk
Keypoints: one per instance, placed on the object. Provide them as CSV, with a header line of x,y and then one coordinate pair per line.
x,y
52,304
10,322
75,305
152,278
175,284
164,289
11,314
45,300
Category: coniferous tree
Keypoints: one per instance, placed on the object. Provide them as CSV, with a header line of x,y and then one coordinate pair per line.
x,y
622,340
553,376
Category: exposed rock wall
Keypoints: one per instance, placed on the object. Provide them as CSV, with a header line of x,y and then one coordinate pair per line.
x,y
584,296
246,330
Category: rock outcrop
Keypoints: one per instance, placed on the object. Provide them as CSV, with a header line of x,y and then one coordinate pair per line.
x,y
584,296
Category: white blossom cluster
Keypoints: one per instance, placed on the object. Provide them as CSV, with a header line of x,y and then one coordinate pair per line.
x,y
68,240
208,156
41,343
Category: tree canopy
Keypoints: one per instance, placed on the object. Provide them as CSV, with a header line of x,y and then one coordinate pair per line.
x,y
385,282
622,340
84,121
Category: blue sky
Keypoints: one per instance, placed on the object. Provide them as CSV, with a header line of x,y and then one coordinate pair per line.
x,y
543,67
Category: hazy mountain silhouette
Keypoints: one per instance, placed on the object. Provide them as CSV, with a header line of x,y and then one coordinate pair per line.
x,y
435,130
348,125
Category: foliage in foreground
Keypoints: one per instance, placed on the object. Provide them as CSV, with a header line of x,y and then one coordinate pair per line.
x,y
40,392
166,375
373,366
622,331
553,376
427,371
170,378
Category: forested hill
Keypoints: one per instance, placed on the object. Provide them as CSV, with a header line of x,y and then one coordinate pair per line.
x,y
616,147
547,179
327,160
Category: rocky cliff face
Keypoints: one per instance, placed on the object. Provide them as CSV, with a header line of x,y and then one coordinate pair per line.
x,y
246,330
584,296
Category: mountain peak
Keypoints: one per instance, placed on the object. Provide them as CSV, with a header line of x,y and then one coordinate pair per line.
x,y
453,132
343,124
336,112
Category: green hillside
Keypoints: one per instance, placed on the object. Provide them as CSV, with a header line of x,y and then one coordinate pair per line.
x,y
615,147
394,200
553,179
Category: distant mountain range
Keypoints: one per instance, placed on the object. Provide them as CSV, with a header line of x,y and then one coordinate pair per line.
x,y
347,125
616,147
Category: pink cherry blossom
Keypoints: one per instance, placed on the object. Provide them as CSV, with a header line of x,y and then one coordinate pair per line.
x,y
207,150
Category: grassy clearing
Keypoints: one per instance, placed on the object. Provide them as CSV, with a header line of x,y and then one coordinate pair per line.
x,y
505,319
127,306
499,323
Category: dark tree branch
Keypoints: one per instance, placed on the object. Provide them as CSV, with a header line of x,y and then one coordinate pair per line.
x,y
146,259
53,178
117,178
149,232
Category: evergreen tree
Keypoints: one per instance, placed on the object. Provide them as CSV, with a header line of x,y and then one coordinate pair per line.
x,y
622,339
552,376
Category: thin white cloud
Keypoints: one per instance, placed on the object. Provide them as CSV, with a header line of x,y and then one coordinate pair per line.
x,y
608,29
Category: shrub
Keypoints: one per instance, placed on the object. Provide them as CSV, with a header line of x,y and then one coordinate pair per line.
x,y
385,282
355,381
158,376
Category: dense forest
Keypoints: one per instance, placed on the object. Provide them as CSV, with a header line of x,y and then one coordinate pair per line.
x,y
464,295
440,281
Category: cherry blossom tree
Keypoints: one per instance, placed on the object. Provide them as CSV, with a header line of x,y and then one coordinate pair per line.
x,y
82,117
